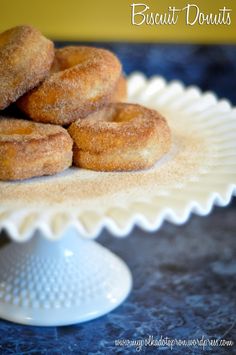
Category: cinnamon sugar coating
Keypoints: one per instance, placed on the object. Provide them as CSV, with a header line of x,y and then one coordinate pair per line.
x,y
26,57
83,79
29,149
120,137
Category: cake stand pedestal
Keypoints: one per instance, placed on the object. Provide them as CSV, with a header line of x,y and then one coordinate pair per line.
x,y
53,283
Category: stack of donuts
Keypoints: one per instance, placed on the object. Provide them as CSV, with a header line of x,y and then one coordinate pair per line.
x,y
72,102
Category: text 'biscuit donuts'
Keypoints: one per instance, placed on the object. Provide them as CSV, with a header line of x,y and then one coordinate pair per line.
x,y
30,149
120,137
83,79
25,59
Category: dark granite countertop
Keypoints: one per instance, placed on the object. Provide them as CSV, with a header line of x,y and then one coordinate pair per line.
x,y
184,276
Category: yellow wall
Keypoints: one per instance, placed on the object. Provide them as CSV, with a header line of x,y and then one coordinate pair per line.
x,y
111,20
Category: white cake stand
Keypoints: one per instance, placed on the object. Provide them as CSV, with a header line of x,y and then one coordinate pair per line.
x,y
53,273
59,283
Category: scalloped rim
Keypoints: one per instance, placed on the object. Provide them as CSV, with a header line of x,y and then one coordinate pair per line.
x,y
55,223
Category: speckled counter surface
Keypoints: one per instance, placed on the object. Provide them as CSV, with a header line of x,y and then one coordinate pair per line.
x,y
184,276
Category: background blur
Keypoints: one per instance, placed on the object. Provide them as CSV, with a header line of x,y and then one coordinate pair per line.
x,y
110,20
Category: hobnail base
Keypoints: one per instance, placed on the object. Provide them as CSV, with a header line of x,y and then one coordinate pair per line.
x,y
53,283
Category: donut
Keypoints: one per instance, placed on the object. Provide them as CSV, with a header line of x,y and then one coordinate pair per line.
x,y
25,60
83,79
29,149
120,137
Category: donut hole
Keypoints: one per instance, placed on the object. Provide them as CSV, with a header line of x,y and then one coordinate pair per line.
x,y
64,63
115,114
23,131
125,115
76,59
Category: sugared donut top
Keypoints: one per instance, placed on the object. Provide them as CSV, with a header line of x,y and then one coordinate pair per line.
x,y
83,79
18,130
118,125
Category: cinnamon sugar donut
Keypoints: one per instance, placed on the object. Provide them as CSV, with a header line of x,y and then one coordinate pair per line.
x,y
120,137
30,149
83,79
25,59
